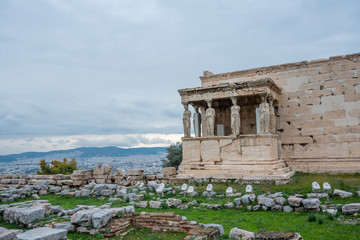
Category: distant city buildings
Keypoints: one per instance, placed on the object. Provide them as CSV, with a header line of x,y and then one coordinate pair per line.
x,y
149,163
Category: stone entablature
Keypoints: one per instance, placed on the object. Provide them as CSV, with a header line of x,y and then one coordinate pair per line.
x,y
316,113
229,109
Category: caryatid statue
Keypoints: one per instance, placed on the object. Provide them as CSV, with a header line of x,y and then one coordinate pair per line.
x,y
210,119
272,121
235,117
186,120
197,121
264,110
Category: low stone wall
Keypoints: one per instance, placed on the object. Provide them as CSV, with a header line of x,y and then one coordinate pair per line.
x,y
100,174
16,180
166,221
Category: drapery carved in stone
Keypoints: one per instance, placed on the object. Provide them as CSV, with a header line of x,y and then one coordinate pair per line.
x,y
235,117
210,119
186,120
264,109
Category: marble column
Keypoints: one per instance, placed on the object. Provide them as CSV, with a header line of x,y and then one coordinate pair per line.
x,y
186,120
203,124
197,121
272,120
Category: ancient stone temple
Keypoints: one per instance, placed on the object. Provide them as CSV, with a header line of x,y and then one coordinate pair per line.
x,y
266,123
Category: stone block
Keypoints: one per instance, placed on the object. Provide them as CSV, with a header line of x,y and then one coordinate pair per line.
x,y
342,193
191,151
210,150
258,153
336,150
102,169
43,233
10,234
294,201
169,171
311,203
354,149
268,202
231,151
101,218
135,172
350,209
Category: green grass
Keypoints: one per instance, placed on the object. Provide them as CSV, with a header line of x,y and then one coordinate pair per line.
x,y
272,221
8,225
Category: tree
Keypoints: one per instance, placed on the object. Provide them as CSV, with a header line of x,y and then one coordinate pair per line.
x,y
57,167
174,156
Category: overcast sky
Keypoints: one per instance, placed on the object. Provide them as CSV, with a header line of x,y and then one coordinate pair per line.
x,y
106,72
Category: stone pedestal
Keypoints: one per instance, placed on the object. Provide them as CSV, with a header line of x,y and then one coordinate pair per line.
x,y
245,157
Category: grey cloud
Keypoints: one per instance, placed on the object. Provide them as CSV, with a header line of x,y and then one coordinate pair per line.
x,y
106,67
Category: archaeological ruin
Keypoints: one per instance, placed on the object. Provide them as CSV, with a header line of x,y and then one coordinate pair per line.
x,y
266,123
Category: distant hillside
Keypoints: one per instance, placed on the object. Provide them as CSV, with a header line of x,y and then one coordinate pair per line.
x,y
87,152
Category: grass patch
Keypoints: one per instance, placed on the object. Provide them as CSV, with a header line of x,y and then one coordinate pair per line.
x,y
271,221
9,225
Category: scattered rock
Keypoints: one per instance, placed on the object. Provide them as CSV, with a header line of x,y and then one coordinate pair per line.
x,y
268,202
43,233
326,187
287,209
352,208
294,201
311,203
237,201
277,208
316,187
9,234
267,235
342,194
142,204
83,217
280,200
214,225
65,225
229,205
35,196
173,202
154,204
237,233
101,218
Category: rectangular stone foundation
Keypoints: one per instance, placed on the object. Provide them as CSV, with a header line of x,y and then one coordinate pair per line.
x,y
232,157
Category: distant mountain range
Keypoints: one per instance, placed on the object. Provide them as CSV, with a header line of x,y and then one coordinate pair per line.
x,y
87,152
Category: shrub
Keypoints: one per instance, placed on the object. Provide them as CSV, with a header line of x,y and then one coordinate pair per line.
x,y
311,218
163,205
120,214
174,156
57,167
98,236
330,217
320,220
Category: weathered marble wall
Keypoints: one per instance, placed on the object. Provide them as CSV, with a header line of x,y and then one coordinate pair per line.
x,y
318,111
